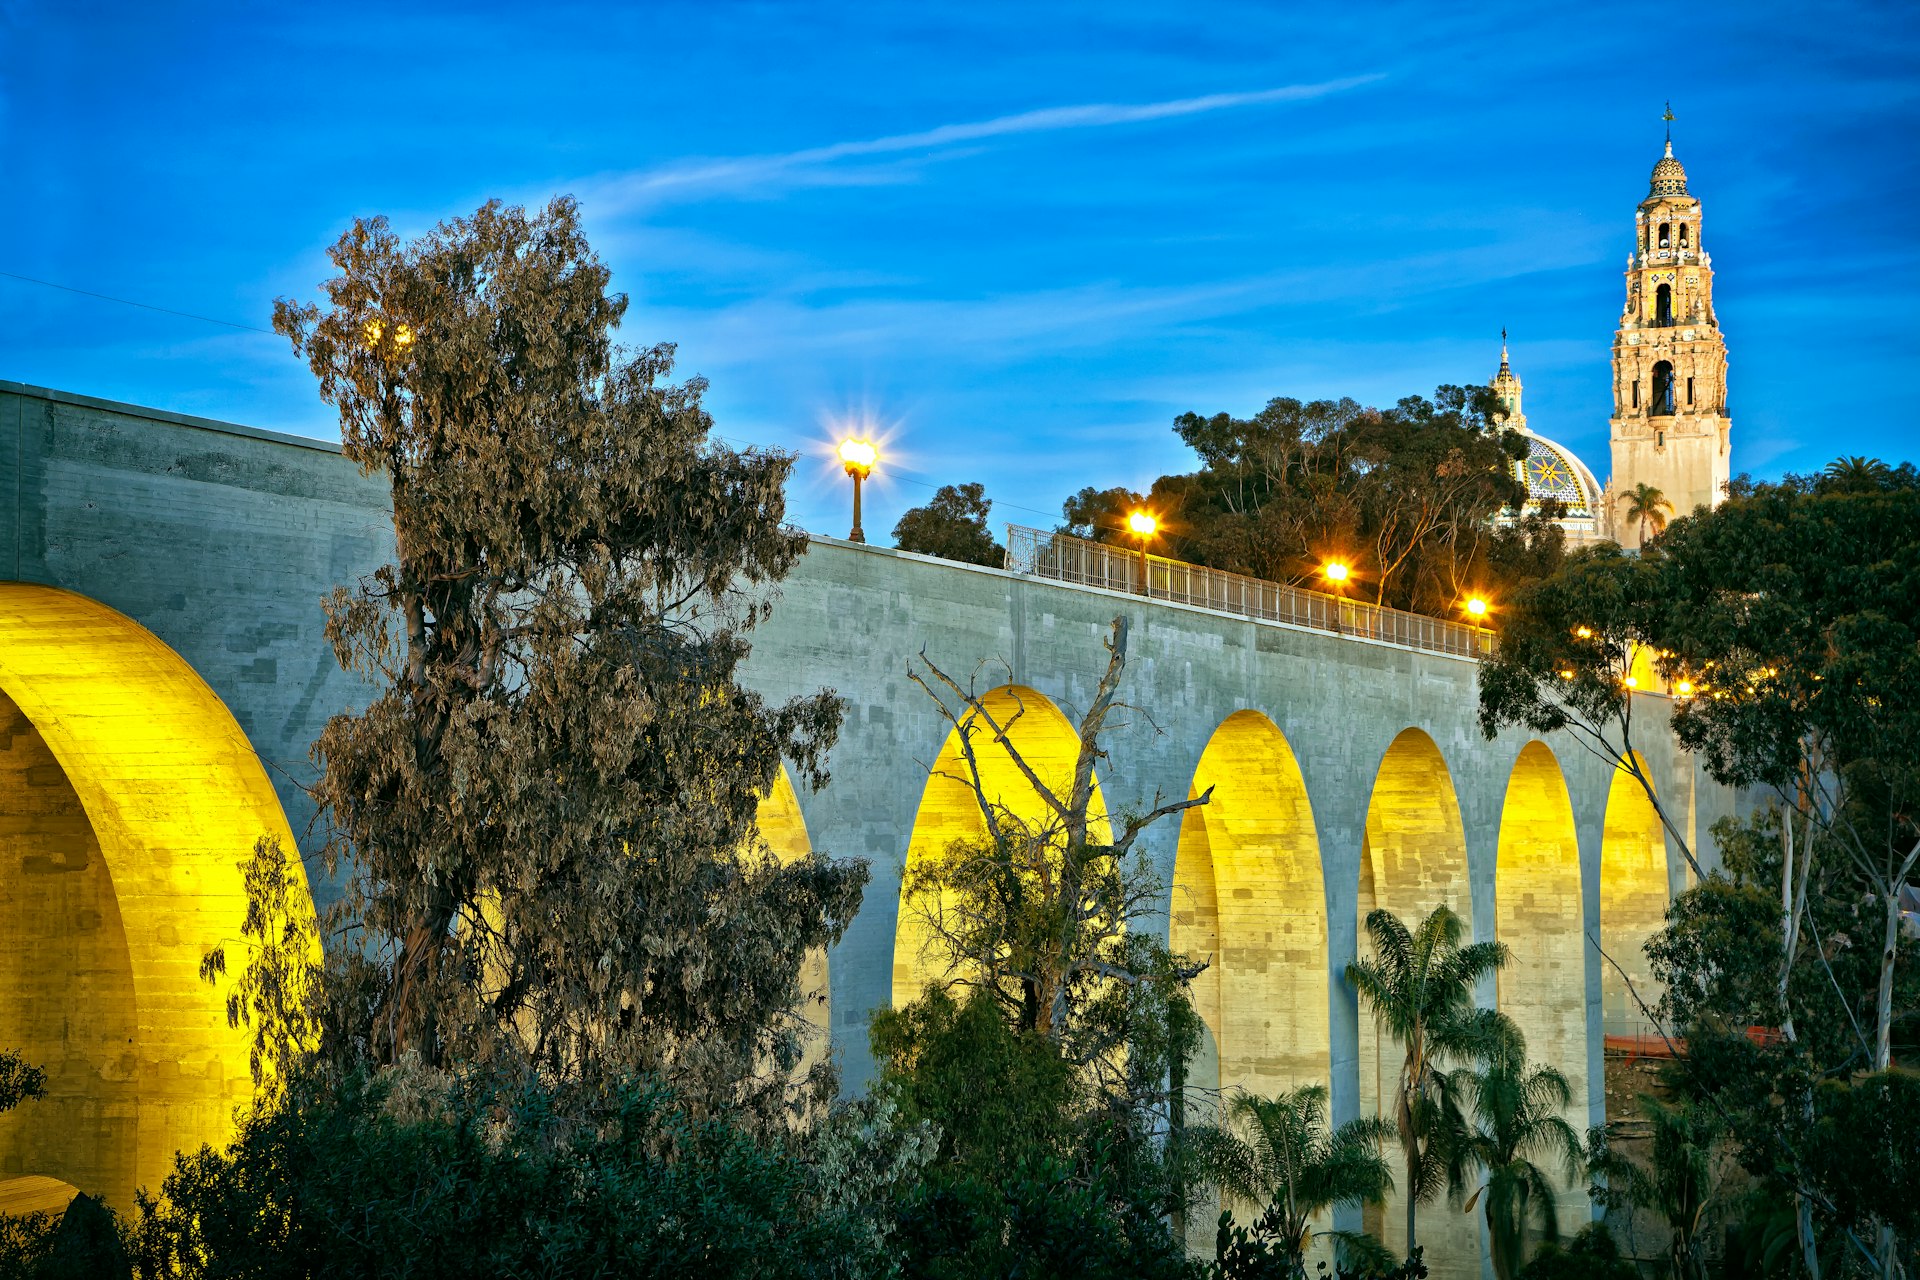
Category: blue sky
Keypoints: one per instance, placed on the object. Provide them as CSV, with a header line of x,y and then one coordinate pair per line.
x,y
1018,237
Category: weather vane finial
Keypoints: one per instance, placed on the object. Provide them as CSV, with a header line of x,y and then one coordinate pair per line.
x,y
1669,117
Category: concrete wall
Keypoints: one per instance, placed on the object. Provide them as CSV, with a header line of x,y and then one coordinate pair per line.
x,y
222,540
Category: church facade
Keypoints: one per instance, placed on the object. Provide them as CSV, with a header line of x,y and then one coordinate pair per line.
x,y
1669,428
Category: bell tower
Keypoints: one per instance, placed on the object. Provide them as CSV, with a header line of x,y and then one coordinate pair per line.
x,y
1670,424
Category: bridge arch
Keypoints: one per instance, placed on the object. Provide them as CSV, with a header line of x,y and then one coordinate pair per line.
x,y
950,809
1413,859
1539,915
784,829
1634,892
1248,894
129,800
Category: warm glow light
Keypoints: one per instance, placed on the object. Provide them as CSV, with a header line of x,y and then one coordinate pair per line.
x,y
1143,523
403,335
1567,674
1684,688
176,798
1335,571
1477,607
858,456
1632,682
1583,632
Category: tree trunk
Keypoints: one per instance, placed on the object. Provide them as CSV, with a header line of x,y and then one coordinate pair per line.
x,y
1883,1005
1413,1163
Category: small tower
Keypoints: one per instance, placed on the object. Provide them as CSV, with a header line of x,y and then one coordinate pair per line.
x,y
1550,471
1670,424
1506,391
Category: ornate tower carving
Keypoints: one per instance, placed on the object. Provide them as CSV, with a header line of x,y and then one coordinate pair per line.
x,y
1670,424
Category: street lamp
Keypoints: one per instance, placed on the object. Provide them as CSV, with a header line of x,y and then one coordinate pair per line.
x,y
858,456
1336,572
1143,526
1477,609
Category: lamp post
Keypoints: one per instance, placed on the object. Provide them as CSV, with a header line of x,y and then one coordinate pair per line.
x,y
858,456
1143,525
1336,572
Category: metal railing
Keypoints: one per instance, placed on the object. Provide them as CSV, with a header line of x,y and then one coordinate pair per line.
x,y
1095,564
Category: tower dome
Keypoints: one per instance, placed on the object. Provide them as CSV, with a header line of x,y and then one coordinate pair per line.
x,y
1669,177
1550,471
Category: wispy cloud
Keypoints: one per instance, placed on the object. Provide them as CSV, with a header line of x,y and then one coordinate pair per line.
x,y
821,166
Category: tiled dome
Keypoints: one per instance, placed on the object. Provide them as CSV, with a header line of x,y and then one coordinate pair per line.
x,y
1669,178
1550,471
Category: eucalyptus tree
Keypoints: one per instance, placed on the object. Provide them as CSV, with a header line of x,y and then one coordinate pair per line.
x,y
1517,1124
20,1080
1420,987
548,805
953,526
1281,1155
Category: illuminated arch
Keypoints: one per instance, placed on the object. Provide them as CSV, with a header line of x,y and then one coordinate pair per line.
x,y
34,1194
1538,915
142,799
1414,859
784,829
1633,902
950,811
1248,894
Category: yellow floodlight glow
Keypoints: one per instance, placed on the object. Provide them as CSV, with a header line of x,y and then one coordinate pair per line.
x,y
1632,682
1335,571
1477,607
1143,524
859,456
1584,633
1684,688
176,798
1566,673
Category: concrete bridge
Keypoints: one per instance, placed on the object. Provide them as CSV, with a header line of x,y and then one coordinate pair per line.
x,y
163,673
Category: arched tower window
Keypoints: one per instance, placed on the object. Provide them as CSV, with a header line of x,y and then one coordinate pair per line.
x,y
1666,235
1663,305
1662,388
1683,235
1636,393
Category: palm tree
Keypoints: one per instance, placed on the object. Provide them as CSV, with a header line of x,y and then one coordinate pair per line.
x,y
1646,505
1290,1162
1855,475
1420,987
1679,1185
1517,1121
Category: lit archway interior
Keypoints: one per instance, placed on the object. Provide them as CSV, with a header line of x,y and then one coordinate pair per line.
x,y
129,801
1633,903
1414,859
784,829
1538,915
1248,895
950,810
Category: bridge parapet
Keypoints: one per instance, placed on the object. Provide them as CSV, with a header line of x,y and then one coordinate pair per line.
x,y
1063,558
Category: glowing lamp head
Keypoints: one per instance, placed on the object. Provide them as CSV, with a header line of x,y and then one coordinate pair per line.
x,y
1566,673
1632,682
1142,524
1585,633
1683,687
858,456
1476,608
1335,571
